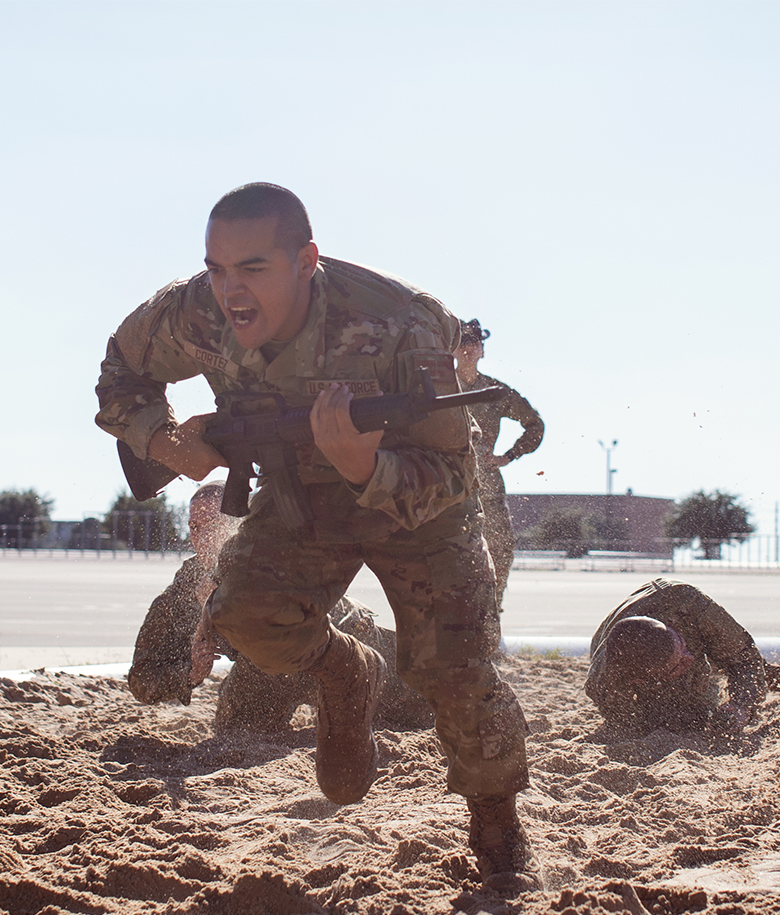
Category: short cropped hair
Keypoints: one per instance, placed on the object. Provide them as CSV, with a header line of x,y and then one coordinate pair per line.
x,y
259,200
213,490
640,646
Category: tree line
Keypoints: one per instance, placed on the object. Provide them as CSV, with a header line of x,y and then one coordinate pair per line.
x,y
25,522
705,520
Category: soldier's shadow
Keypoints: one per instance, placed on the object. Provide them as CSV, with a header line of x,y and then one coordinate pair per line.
x,y
142,756
633,749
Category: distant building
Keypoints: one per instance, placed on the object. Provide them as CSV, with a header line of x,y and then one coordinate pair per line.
x,y
643,516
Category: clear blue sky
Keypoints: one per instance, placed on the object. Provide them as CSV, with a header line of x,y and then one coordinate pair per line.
x,y
598,182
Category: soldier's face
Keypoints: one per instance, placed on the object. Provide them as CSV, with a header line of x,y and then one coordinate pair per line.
x,y
681,660
262,290
469,354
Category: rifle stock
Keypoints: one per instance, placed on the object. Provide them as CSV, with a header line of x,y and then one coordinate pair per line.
x,y
146,479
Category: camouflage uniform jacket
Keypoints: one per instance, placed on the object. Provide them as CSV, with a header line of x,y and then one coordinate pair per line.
x,y
364,328
488,416
717,642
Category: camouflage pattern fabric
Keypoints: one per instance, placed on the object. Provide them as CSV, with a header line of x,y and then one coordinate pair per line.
x,y
249,698
497,524
715,639
365,329
252,700
276,585
414,524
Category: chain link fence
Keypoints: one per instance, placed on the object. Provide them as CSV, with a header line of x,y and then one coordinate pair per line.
x,y
757,553
154,533
121,532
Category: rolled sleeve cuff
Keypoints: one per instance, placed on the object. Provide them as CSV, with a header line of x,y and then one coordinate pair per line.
x,y
143,426
374,494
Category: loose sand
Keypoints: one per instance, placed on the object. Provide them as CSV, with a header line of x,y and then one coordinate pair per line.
x,y
110,806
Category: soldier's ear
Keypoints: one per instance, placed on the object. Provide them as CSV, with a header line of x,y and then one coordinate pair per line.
x,y
308,257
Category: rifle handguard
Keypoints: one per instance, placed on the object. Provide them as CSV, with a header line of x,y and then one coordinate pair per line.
x,y
247,435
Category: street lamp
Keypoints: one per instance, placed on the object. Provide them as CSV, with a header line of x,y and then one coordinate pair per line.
x,y
609,449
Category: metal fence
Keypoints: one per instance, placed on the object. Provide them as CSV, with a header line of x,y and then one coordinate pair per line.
x,y
143,532
121,532
757,553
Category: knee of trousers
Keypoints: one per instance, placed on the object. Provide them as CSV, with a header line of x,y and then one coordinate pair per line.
x,y
481,727
277,632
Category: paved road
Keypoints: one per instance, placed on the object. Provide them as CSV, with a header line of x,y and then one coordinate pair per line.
x,y
58,611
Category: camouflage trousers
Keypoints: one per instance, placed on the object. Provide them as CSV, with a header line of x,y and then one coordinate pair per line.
x,y
497,528
277,586
250,700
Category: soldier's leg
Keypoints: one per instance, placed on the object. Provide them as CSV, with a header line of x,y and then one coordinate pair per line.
x,y
497,528
400,707
276,588
440,585
446,633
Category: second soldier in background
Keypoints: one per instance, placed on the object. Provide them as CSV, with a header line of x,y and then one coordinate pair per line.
x,y
497,526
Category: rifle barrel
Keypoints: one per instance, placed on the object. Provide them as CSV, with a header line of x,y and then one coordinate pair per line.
x,y
482,395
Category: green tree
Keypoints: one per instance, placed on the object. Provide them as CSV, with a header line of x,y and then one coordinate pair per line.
x,y
23,512
562,529
606,532
86,535
712,519
577,531
150,525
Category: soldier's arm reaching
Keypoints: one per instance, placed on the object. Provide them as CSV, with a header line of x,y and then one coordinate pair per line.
x,y
731,648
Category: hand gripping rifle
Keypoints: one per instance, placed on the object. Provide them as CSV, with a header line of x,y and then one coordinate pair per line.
x,y
257,434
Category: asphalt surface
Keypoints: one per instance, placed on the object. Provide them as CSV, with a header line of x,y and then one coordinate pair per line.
x,y
57,611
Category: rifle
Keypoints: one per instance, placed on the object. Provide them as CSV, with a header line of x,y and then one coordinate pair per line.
x,y
257,434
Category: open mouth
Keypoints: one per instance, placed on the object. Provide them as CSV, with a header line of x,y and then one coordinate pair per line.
x,y
242,317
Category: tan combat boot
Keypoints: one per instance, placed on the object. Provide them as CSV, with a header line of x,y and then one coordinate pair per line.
x,y
350,676
505,859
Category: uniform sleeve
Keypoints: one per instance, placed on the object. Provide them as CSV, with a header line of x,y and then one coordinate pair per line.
x,y
142,358
731,649
163,650
432,466
515,406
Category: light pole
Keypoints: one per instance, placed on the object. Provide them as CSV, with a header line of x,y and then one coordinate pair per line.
x,y
609,449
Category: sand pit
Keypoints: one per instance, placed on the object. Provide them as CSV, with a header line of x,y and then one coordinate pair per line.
x,y
112,807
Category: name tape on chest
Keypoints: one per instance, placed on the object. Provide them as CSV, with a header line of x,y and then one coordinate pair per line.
x,y
212,360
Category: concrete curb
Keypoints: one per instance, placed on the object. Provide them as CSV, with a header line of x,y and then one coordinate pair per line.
x,y
572,647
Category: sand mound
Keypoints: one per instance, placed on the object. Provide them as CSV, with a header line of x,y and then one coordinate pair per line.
x,y
112,807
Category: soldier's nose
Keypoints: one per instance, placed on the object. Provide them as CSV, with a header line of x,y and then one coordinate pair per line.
x,y
231,286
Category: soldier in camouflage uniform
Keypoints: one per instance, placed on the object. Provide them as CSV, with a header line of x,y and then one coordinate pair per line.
x,y
163,667
655,662
270,315
497,524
